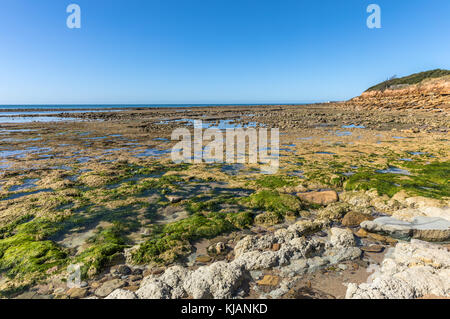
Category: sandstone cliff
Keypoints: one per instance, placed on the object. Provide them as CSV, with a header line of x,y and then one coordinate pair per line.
x,y
429,93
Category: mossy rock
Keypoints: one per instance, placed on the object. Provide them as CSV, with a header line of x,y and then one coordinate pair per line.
x,y
268,219
273,201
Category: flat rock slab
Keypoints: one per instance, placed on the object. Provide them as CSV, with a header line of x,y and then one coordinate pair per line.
x,y
108,287
320,198
434,229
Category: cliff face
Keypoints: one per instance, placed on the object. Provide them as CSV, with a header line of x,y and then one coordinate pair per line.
x,y
430,94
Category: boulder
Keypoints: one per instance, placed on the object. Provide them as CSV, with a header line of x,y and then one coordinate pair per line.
x,y
108,287
355,218
425,228
410,270
320,198
77,293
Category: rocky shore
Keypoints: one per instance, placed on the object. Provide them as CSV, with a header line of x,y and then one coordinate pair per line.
x,y
360,207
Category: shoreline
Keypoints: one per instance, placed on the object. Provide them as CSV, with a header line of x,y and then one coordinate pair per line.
x,y
107,182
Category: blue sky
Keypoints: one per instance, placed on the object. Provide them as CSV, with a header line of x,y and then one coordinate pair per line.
x,y
213,51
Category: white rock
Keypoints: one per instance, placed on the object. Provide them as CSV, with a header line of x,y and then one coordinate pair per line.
x,y
410,270
219,280
342,237
122,294
420,227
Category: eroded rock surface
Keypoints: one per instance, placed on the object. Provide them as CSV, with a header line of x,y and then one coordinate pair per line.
x,y
221,279
410,270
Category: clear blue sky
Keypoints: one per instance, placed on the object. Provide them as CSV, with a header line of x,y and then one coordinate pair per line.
x,y
213,51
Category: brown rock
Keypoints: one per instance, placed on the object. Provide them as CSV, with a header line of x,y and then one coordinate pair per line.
x,y
108,287
321,198
373,248
131,288
269,280
355,218
362,233
203,259
276,247
76,293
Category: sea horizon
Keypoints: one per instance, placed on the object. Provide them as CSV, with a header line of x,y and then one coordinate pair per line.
x,y
13,107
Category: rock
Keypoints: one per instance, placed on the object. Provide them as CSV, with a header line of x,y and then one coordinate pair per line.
x,y
122,294
268,219
333,212
269,280
321,198
276,247
354,219
203,259
217,249
174,198
77,293
410,270
116,259
408,214
123,270
219,280
373,248
131,288
425,228
342,237
167,286
108,287
220,248
342,267
362,233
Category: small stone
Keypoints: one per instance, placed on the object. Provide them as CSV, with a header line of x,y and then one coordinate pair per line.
x,y
174,198
361,233
95,285
256,274
51,270
384,239
373,248
203,259
342,267
77,293
118,258
135,277
137,271
276,247
355,218
220,248
122,270
268,219
269,280
320,198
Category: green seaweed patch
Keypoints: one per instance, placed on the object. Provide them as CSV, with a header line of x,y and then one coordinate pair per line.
x,y
208,204
171,241
428,180
23,258
273,201
276,181
106,245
